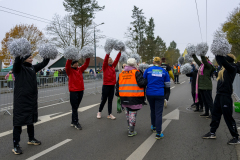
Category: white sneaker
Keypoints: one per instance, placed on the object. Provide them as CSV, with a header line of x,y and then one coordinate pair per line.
x,y
111,117
165,103
99,115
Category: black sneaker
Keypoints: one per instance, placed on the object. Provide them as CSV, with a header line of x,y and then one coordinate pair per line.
x,y
209,135
233,141
78,126
17,150
34,142
204,115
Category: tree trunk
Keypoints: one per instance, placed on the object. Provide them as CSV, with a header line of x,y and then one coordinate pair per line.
x,y
0,65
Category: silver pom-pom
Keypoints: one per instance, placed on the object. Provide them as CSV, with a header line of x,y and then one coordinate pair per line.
x,y
19,47
188,58
109,45
48,51
186,68
123,58
191,50
181,60
143,66
71,53
119,46
220,47
202,49
87,52
135,56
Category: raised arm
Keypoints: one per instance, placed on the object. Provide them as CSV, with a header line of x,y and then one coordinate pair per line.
x,y
85,65
196,60
41,65
68,66
189,74
105,62
223,62
116,60
205,62
17,65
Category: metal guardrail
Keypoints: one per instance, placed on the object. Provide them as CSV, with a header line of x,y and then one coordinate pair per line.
x,y
236,87
49,89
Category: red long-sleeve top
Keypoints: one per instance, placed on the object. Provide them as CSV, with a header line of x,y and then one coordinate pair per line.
x,y
75,82
109,74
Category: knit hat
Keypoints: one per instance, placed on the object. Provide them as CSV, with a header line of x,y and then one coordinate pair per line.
x,y
156,59
132,62
73,62
163,59
25,57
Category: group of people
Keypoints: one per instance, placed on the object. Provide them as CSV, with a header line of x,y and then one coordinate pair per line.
x,y
130,87
201,88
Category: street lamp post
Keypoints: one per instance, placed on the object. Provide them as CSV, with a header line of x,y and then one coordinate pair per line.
x,y
95,47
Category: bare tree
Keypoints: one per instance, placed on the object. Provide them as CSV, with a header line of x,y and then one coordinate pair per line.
x,y
63,32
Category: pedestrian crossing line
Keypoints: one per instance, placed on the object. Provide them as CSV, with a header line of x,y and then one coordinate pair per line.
x,y
49,149
182,82
82,109
52,105
143,149
172,87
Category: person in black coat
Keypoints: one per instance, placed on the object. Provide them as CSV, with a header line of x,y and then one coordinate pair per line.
x,y
223,103
193,75
25,106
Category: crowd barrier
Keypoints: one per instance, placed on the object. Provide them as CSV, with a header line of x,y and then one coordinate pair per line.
x,y
236,87
49,89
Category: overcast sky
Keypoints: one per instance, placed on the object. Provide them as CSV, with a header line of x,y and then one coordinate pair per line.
x,y
174,19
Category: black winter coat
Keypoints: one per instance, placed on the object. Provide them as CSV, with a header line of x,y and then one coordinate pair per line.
x,y
25,106
133,100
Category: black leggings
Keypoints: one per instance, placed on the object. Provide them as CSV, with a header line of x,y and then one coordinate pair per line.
x,y
75,100
17,130
107,94
223,105
167,91
200,102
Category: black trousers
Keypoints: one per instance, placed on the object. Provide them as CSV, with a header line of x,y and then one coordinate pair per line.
x,y
17,130
107,94
75,100
176,78
223,105
200,102
206,96
167,92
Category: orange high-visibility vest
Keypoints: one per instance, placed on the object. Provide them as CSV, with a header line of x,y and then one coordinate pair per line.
x,y
128,86
178,68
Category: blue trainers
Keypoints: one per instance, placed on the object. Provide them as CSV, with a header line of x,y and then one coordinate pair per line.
x,y
159,136
153,129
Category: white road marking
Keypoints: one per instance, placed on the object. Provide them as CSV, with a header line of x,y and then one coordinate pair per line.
x,y
52,105
172,115
182,82
143,149
47,118
49,149
172,87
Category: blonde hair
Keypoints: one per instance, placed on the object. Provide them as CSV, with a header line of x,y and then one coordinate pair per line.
x,y
220,74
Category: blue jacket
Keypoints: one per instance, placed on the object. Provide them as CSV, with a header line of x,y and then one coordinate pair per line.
x,y
157,79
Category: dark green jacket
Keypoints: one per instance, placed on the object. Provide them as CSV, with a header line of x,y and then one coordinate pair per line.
x,y
204,81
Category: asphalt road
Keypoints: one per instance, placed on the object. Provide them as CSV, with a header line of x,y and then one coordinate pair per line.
x,y
103,139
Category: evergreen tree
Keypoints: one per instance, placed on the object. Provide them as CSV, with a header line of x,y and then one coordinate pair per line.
x,y
161,48
82,13
172,54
